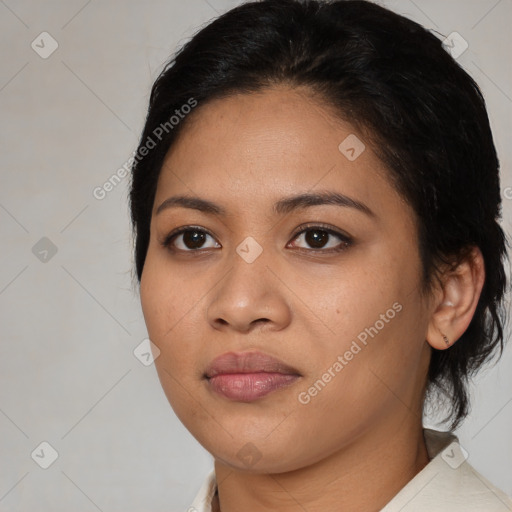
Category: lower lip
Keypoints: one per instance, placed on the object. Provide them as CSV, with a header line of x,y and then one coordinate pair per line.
x,y
246,387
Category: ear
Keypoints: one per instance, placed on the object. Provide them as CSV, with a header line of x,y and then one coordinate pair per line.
x,y
456,301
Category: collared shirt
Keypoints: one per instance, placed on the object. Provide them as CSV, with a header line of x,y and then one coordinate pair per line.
x,y
448,483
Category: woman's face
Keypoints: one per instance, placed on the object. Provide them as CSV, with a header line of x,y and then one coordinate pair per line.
x,y
331,290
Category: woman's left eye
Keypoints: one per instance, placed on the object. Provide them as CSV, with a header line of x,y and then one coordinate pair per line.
x,y
317,237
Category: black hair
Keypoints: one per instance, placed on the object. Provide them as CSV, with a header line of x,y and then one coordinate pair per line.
x,y
424,116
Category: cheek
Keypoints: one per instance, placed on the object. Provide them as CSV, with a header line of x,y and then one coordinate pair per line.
x,y
165,307
350,299
171,306
159,306
376,332
153,300
162,297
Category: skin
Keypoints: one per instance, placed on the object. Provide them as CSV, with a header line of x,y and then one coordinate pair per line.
x,y
363,430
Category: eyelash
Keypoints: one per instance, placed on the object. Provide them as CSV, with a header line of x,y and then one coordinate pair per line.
x,y
346,241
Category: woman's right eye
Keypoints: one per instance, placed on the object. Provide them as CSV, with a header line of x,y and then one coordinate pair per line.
x,y
192,240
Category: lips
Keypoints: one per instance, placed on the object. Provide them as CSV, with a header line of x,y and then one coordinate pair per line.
x,y
245,377
247,362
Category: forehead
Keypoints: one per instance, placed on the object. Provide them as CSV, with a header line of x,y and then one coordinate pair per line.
x,y
251,149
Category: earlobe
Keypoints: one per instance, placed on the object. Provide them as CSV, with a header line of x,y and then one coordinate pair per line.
x,y
438,339
457,301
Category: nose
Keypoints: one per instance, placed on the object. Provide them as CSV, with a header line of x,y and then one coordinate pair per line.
x,y
250,295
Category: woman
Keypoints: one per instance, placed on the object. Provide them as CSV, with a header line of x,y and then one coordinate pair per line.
x,y
315,203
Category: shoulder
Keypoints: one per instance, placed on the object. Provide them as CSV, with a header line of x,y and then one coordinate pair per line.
x,y
448,483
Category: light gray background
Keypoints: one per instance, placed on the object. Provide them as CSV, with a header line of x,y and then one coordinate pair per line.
x,y
69,325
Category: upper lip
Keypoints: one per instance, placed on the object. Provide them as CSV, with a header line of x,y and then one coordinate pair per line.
x,y
247,362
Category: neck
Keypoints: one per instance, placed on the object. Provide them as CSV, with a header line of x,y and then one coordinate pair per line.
x,y
362,476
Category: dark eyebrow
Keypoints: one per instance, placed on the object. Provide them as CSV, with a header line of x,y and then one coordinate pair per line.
x,y
301,201
281,207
